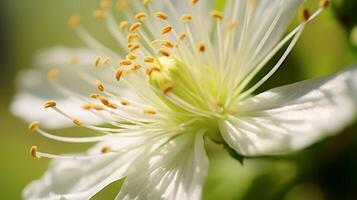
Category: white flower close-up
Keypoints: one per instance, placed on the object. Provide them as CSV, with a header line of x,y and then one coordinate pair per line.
x,y
183,74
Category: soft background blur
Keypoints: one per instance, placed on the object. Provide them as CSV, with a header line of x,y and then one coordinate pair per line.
x,y
327,170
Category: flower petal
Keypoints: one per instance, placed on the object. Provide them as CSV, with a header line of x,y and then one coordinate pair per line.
x,y
176,171
261,24
78,179
293,116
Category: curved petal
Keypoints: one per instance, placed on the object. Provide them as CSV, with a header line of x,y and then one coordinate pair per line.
x,y
74,83
176,171
293,116
261,24
78,179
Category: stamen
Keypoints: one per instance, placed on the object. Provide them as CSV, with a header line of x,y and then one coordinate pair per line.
x,y
145,2
182,36
124,102
123,25
324,3
122,4
305,15
131,56
50,104
96,61
106,4
33,152
77,122
186,18
52,74
168,87
74,21
105,149
163,52
149,111
166,29
149,59
194,1
106,61
132,37
216,14
201,47
88,106
33,126
99,14
125,62
135,27
100,86
141,16
167,44
161,15
107,103
94,95
118,74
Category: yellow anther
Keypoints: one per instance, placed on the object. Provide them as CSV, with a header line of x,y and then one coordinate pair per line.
x,y
324,3
33,152
194,1
99,14
182,36
145,2
186,18
33,126
124,102
77,122
163,52
135,27
151,69
166,29
133,47
123,25
141,16
88,106
74,21
49,104
167,44
201,47
100,86
107,103
149,111
105,149
135,67
52,74
161,15
232,24
149,59
105,4
305,15
216,14
118,74
122,4
131,56
94,95
125,62
133,36
154,43
96,61
106,60
167,88
127,72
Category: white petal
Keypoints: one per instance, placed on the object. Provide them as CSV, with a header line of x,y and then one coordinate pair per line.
x,y
73,179
176,171
293,116
261,24
35,89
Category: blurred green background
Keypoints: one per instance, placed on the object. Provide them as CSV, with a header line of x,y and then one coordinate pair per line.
x,y
327,170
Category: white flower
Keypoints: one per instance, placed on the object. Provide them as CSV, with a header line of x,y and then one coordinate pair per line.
x,y
182,76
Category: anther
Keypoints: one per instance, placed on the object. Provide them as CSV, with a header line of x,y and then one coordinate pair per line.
x,y
135,67
133,47
149,59
151,69
161,15
122,4
135,27
33,152
123,25
106,4
125,62
305,15
166,29
124,102
33,126
77,122
141,16
96,61
216,14
149,111
99,14
201,47
194,1
145,2
182,36
324,3
94,95
74,21
164,53
232,24
132,37
52,74
105,149
167,88
131,56
167,43
186,18
106,60
100,86
49,104
118,74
